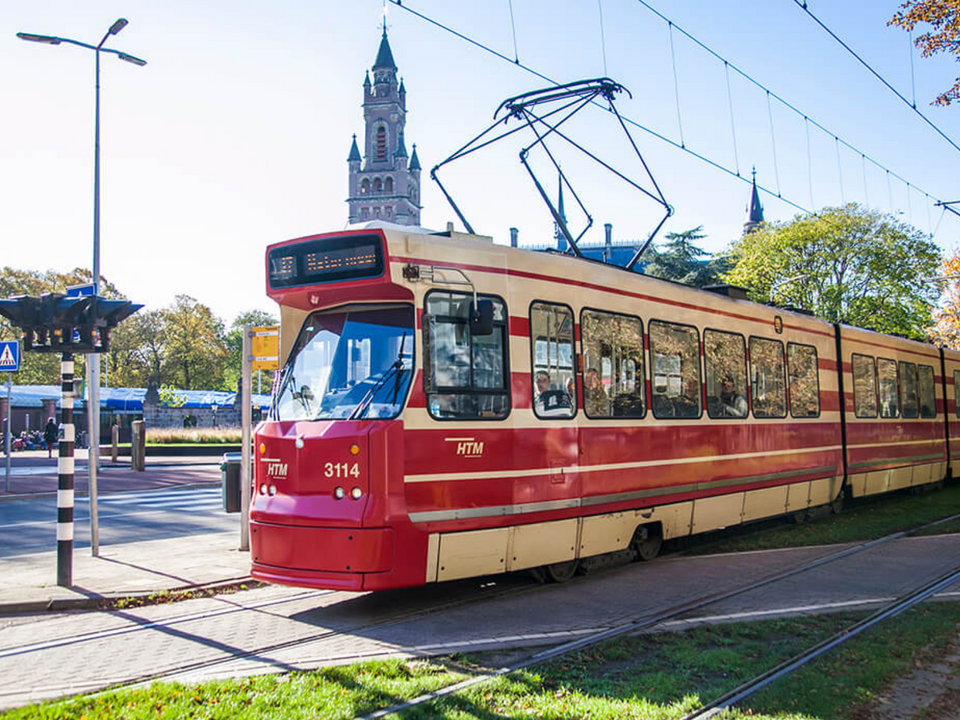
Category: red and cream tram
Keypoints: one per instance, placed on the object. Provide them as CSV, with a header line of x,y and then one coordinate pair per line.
x,y
450,407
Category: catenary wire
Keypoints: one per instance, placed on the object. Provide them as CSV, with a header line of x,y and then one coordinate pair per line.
x,y
878,76
715,164
603,39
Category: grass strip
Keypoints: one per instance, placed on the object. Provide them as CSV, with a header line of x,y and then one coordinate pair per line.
x,y
865,520
642,677
337,692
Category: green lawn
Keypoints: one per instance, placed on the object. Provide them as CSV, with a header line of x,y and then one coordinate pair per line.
x,y
645,677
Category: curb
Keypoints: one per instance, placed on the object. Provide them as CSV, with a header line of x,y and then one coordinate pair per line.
x,y
94,601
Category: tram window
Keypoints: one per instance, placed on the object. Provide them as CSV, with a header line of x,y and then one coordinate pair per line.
x,y
889,397
464,375
956,392
864,386
804,380
766,378
725,360
928,399
675,369
613,375
554,384
908,390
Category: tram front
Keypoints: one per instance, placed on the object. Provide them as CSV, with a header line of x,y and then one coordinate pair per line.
x,y
327,508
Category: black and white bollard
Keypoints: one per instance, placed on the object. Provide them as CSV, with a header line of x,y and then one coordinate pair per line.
x,y
65,475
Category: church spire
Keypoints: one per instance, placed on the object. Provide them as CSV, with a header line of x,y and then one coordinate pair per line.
x,y
755,212
384,56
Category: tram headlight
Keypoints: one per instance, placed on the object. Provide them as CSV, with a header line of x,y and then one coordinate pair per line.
x,y
298,443
354,449
356,493
339,493
263,489
272,490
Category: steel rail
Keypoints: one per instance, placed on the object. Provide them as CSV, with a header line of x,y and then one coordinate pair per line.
x,y
905,602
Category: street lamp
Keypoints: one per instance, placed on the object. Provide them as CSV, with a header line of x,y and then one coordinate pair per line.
x,y
93,360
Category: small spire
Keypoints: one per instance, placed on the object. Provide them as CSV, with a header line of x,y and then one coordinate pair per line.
x,y
401,147
402,88
384,56
366,79
354,151
755,212
414,160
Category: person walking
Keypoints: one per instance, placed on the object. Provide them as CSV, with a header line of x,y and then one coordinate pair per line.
x,y
51,434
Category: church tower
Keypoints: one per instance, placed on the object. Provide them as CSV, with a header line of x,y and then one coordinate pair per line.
x,y
755,211
385,181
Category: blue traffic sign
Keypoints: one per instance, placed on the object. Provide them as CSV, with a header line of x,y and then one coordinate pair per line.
x,y
10,356
80,290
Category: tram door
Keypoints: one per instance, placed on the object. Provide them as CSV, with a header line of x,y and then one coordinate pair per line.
x,y
555,396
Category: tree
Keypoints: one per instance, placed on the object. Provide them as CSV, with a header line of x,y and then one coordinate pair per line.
x,y
848,265
137,350
234,339
946,328
680,260
36,368
194,350
944,17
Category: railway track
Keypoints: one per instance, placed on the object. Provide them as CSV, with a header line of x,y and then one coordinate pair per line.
x,y
645,622
581,638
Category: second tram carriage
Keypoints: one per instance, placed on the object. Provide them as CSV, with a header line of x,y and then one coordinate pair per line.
x,y
450,408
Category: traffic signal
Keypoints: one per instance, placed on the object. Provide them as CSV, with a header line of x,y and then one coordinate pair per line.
x,y
55,322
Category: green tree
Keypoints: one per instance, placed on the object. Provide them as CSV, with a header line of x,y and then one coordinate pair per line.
x,y
944,17
44,368
234,339
193,345
844,264
680,259
137,350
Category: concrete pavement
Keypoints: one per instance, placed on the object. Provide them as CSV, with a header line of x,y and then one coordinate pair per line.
x,y
124,570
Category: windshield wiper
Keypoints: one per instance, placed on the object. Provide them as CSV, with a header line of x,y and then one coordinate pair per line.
x,y
367,399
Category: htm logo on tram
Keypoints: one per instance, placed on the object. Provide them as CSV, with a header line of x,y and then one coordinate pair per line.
x,y
467,447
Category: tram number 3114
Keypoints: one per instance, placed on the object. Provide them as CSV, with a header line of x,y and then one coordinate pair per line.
x,y
341,470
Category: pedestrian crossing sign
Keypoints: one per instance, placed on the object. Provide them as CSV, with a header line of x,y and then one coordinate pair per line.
x,y
10,356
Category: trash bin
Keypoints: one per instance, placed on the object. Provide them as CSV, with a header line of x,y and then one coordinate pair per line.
x,y
230,486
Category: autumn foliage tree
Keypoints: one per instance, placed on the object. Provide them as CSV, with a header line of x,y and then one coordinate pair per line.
x,y
946,328
844,264
944,18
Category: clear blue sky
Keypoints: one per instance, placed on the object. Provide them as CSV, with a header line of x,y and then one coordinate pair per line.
x,y
236,133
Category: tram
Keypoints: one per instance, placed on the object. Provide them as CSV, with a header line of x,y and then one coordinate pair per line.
x,y
449,407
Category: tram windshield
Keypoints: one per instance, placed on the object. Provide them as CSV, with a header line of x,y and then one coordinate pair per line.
x,y
351,363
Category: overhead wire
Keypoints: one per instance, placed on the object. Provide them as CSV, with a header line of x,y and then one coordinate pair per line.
x,y
878,76
733,127
713,163
603,39
513,27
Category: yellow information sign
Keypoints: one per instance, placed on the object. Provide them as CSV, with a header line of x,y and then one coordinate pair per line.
x,y
265,347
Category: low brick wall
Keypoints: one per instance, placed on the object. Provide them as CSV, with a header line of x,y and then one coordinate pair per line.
x,y
161,416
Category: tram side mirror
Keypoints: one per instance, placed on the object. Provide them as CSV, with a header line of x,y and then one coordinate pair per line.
x,y
481,318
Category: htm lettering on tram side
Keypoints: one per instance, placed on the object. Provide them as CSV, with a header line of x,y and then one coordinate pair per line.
x,y
468,447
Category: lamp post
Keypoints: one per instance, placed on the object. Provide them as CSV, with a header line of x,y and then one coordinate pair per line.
x,y
93,360
779,283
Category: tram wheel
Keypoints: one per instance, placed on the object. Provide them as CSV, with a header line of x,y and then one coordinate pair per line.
x,y
561,572
647,542
539,574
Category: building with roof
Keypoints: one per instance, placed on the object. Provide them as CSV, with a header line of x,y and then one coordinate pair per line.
x,y
755,210
384,183
31,405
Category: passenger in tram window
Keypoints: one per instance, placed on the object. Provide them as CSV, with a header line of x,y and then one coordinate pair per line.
x,y
687,405
732,403
551,401
595,400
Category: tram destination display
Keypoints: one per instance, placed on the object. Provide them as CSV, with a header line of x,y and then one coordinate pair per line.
x,y
326,260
